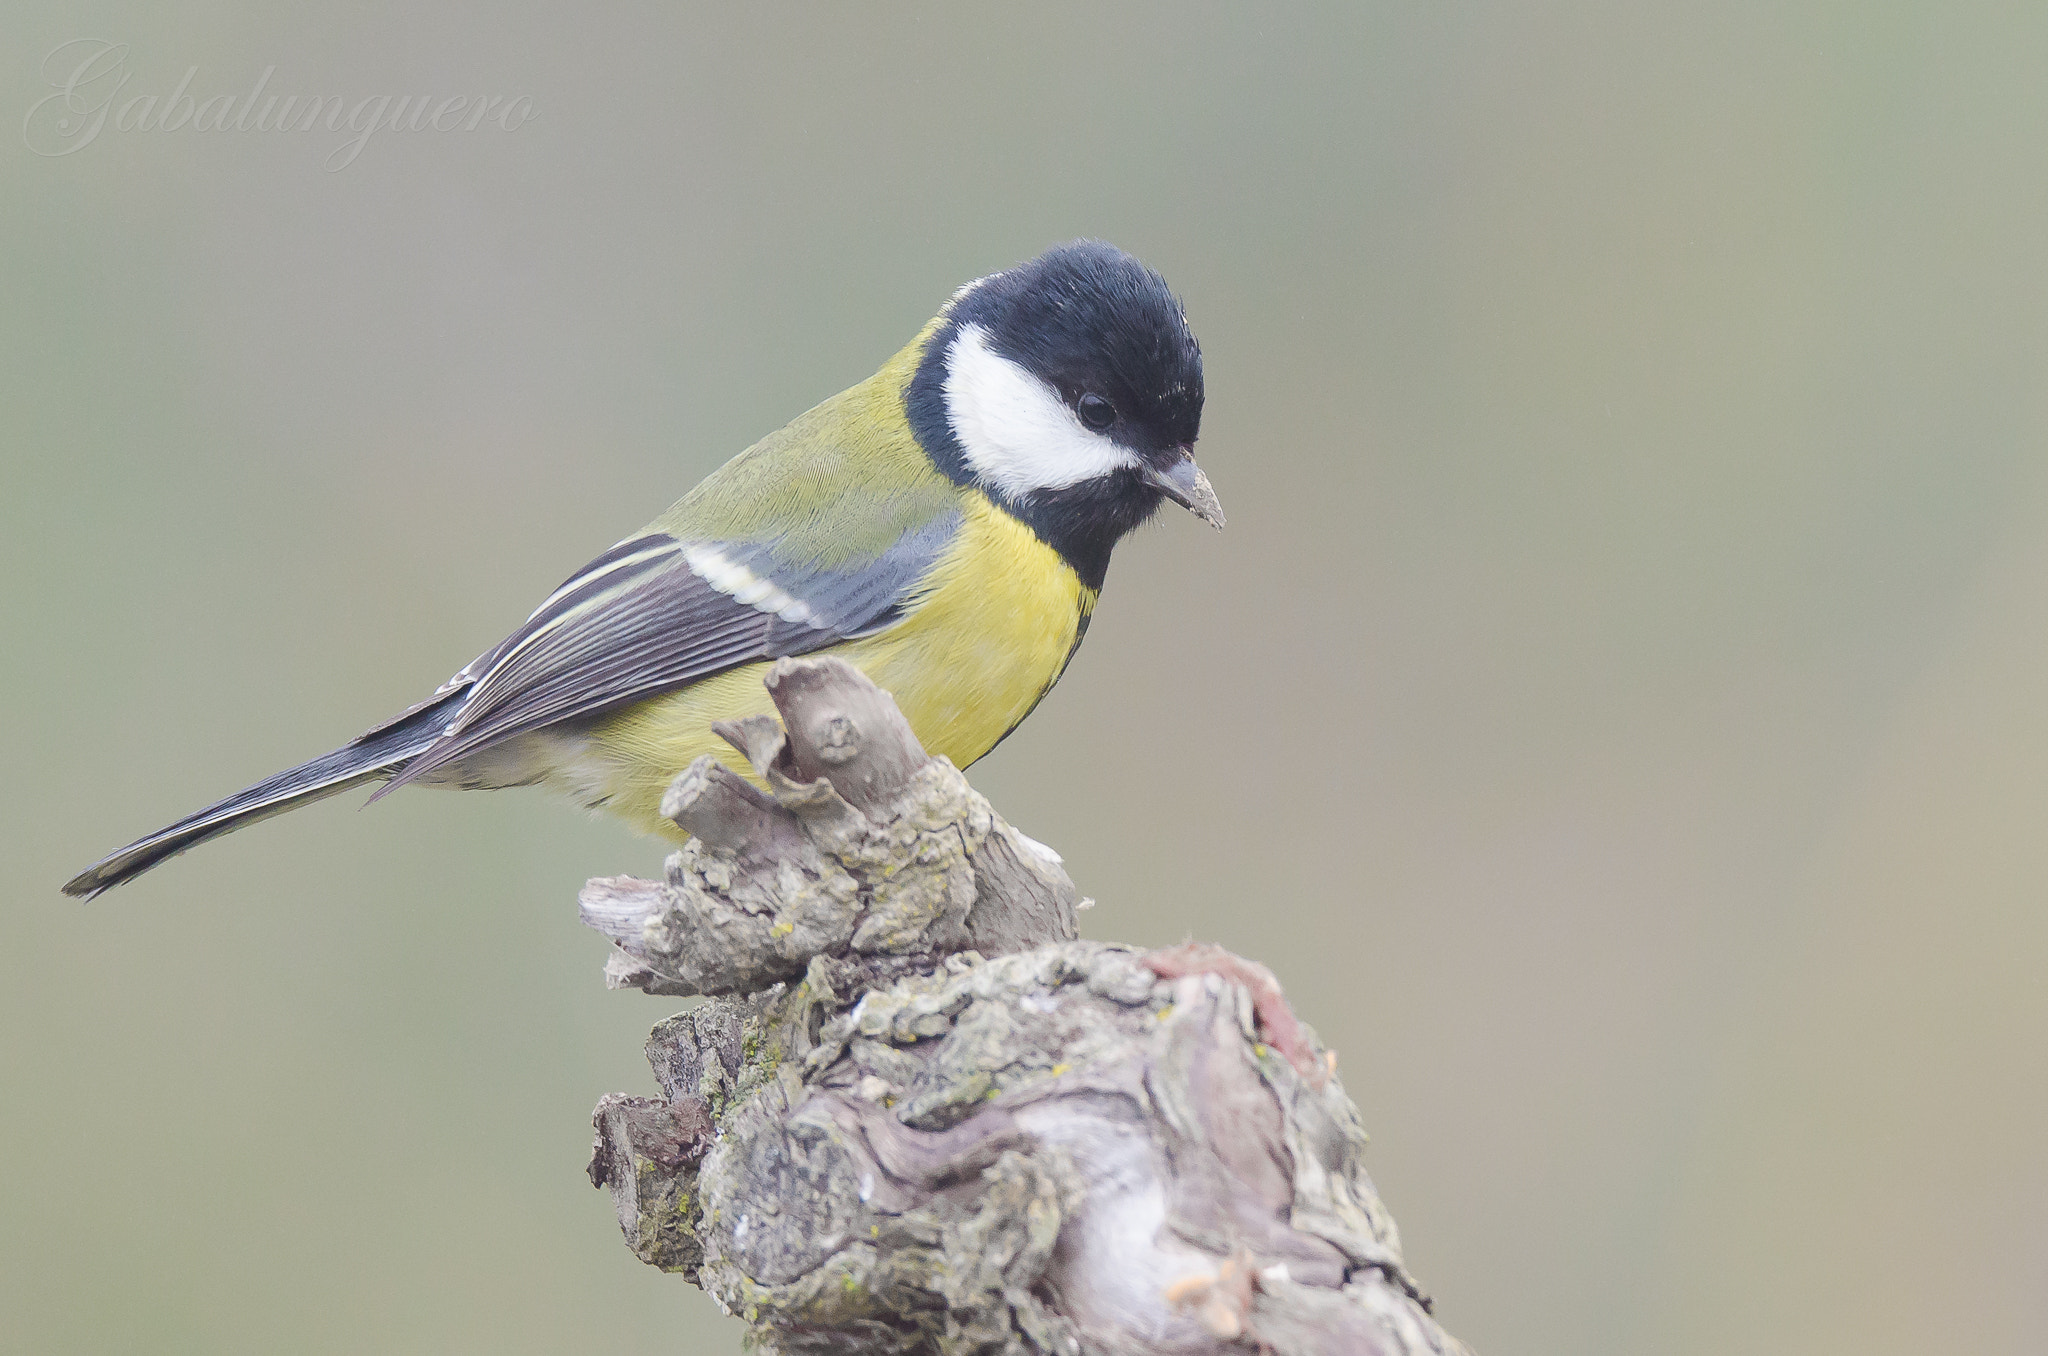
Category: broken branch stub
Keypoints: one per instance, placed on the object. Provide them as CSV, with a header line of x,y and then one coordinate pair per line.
x,y
862,845
923,1119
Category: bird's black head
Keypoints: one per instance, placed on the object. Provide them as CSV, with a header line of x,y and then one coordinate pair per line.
x,y
1069,389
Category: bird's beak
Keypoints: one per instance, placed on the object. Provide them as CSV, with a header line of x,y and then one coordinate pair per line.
x,y
1184,483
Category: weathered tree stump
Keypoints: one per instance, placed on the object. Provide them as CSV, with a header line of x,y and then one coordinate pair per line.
x,y
917,1115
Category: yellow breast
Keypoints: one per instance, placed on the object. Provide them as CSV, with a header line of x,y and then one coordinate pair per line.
x,y
985,636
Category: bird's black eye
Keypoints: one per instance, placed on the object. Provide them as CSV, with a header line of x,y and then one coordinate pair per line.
x,y
1095,412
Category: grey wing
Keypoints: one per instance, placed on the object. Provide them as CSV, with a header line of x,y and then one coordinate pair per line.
x,y
656,613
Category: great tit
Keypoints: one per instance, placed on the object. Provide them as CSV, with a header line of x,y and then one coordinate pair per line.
x,y
944,526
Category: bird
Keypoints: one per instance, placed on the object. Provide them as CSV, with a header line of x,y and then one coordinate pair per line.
x,y
945,526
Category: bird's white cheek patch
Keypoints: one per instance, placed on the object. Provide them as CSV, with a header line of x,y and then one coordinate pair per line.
x,y
1015,431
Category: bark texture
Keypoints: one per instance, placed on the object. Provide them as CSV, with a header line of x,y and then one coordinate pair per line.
x,y
917,1115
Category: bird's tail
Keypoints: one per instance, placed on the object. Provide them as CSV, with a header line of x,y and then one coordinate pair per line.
x,y
377,754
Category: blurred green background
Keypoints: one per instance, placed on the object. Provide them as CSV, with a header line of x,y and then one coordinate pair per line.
x,y
1616,709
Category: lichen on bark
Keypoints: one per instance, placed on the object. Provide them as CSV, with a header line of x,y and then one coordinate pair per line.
x,y
920,1116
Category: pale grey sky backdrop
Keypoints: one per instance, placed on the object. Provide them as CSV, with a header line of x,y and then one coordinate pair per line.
x,y
1616,709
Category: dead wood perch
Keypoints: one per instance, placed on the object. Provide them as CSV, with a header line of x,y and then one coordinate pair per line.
x,y
918,1116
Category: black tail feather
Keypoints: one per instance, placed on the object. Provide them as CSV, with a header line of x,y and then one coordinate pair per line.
x,y
377,754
